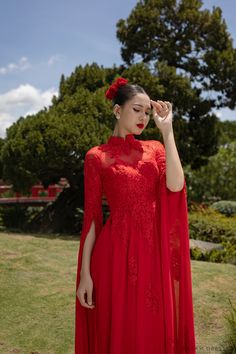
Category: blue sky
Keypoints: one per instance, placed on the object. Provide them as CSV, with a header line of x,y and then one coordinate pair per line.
x,y
40,40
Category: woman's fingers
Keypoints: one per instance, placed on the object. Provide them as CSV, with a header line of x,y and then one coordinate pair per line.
x,y
161,106
89,298
156,105
81,296
169,105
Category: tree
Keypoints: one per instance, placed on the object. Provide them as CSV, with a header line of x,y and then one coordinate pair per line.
x,y
46,147
52,144
216,180
191,54
1,164
227,132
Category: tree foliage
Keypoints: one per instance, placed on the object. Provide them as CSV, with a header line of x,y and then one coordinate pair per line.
x,y
46,147
1,163
189,53
227,132
215,181
180,35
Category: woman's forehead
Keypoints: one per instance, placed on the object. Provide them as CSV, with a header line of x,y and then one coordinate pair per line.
x,y
141,100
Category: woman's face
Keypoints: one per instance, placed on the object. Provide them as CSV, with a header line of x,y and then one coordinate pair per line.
x,y
134,114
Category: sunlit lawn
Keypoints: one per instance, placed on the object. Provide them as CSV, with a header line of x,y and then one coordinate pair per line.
x,y
37,296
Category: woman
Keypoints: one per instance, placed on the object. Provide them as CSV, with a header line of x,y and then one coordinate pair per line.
x,y
133,289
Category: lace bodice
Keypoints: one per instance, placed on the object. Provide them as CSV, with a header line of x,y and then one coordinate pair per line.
x,y
125,170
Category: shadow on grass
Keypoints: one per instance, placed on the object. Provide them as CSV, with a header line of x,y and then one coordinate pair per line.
x,y
50,236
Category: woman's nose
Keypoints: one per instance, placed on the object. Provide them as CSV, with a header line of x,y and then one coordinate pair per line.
x,y
143,118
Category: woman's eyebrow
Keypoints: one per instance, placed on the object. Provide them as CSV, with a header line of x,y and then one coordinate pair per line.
x,y
138,104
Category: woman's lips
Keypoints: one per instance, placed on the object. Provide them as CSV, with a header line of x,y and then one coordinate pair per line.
x,y
140,125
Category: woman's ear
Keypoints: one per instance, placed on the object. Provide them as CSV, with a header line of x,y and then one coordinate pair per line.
x,y
116,109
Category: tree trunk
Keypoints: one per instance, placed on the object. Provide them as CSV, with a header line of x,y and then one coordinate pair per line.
x,y
62,216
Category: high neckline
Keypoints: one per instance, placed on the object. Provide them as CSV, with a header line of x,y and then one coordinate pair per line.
x,y
128,141
117,140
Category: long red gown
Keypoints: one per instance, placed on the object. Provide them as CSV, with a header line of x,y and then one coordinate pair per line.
x,y
140,262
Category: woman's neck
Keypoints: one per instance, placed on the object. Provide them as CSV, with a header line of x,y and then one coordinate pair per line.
x,y
116,132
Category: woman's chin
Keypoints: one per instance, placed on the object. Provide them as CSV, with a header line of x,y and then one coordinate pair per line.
x,y
138,131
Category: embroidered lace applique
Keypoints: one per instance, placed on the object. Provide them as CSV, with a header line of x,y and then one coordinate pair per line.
x,y
175,251
133,270
120,149
151,299
127,143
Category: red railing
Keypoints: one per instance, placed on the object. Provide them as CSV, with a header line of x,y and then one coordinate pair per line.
x,y
39,195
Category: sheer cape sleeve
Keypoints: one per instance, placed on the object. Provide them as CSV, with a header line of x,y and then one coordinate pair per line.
x,y
172,224
92,213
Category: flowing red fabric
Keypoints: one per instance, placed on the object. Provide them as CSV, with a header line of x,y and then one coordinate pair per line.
x,y
176,267
140,263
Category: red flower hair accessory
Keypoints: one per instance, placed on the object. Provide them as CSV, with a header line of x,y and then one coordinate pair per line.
x,y
112,90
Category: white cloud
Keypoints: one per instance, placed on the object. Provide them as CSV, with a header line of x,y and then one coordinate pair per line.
x,y
21,65
25,99
54,59
225,114
218,114
6,119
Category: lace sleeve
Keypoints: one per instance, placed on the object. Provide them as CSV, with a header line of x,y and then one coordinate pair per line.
x,y
92,199
160,157
92,193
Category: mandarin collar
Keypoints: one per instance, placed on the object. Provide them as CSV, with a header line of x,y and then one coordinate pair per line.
x,y
128,141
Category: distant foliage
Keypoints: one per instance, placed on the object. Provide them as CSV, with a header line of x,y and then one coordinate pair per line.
x,y
216,181
226,207
190,53
227,131
207,224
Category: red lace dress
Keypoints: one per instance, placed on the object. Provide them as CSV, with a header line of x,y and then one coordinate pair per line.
x,y
140,262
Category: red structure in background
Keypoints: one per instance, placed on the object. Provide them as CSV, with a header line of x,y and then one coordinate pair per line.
x,y
39,195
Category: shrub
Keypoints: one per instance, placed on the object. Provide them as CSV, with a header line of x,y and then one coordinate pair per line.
x,y
226,207
17,216
207,224
227,255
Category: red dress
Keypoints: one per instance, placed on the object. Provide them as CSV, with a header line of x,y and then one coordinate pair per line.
x,y
140,262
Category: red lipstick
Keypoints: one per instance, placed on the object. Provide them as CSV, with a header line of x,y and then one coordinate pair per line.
x,y
140,126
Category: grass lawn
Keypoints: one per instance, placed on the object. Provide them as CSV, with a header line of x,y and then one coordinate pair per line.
x,y
37,296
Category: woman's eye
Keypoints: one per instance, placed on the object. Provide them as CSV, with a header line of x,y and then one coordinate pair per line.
x,y
136,110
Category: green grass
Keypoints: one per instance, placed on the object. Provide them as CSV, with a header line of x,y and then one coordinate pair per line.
x,y
37,277
37,296
213,285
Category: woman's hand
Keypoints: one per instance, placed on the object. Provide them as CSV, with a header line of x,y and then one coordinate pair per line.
x,y
86,287
162,115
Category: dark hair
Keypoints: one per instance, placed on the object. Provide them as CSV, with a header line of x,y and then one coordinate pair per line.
x,y
126,92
